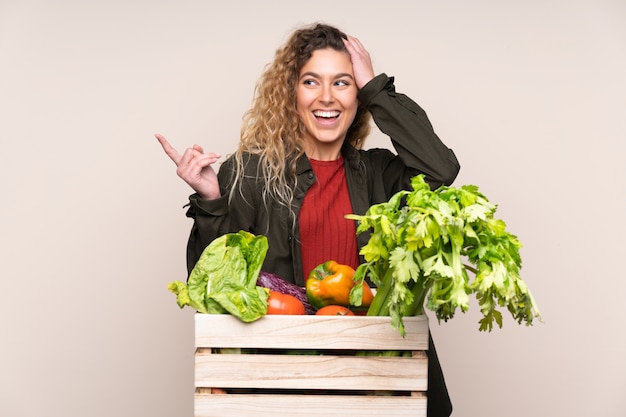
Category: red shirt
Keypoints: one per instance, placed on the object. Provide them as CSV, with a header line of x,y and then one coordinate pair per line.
x,y
324,232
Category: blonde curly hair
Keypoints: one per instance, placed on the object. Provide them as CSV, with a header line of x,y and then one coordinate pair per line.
x,y
272,128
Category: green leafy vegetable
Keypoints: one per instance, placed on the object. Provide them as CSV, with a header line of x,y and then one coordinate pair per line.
x,y
418,243
224,278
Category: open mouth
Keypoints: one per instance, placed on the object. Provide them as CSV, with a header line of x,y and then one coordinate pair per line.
x,y
326,115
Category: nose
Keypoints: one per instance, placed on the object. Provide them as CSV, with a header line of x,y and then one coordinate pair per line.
x,y
326,94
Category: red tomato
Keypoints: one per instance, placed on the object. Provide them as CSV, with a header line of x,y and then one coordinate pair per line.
x,y
333,310
279,303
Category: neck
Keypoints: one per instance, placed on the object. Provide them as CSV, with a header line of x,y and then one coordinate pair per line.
x,y
330,152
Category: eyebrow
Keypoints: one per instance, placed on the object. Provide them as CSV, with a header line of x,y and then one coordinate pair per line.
x,y
340,75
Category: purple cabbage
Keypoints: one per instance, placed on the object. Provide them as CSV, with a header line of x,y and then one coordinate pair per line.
x,y
276,283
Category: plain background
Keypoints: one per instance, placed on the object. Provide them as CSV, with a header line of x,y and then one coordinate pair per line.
x,y
531,96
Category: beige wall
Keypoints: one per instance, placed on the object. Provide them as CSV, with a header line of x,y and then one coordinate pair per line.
x,y
530,95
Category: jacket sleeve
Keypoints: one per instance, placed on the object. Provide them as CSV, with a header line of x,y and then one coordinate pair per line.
x,y
412,135
213,218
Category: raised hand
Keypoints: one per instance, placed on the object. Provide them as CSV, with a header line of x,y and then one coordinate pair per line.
x,y
361,61
194,167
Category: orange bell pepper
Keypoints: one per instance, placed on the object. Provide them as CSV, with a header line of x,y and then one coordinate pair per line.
x,y
330,283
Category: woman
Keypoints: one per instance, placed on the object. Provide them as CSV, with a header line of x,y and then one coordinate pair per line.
x,y
300,168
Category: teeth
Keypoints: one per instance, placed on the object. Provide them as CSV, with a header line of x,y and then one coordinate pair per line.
x,y
326,114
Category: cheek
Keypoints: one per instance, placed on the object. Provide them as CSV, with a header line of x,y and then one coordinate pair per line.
x,y
301,101
304,95
354,107
351,103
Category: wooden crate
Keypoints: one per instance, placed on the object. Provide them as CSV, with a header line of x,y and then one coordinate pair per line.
x,y
277,374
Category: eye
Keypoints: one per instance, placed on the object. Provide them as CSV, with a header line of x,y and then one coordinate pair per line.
x,y
342,83
309,82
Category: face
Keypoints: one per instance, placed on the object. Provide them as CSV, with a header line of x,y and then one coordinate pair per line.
x,y
326,102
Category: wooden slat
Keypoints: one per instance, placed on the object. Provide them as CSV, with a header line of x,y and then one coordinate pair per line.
x,y
310,332
311,372
239,405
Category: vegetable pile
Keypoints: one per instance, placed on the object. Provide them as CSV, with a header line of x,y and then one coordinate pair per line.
x,y
418,243
423,244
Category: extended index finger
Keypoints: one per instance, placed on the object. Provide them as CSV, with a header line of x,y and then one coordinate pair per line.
x,y
169,149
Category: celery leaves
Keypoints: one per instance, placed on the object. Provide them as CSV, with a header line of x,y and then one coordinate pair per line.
x,y
419,241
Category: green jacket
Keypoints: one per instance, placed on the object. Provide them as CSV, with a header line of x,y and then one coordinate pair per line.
x,y
373,176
